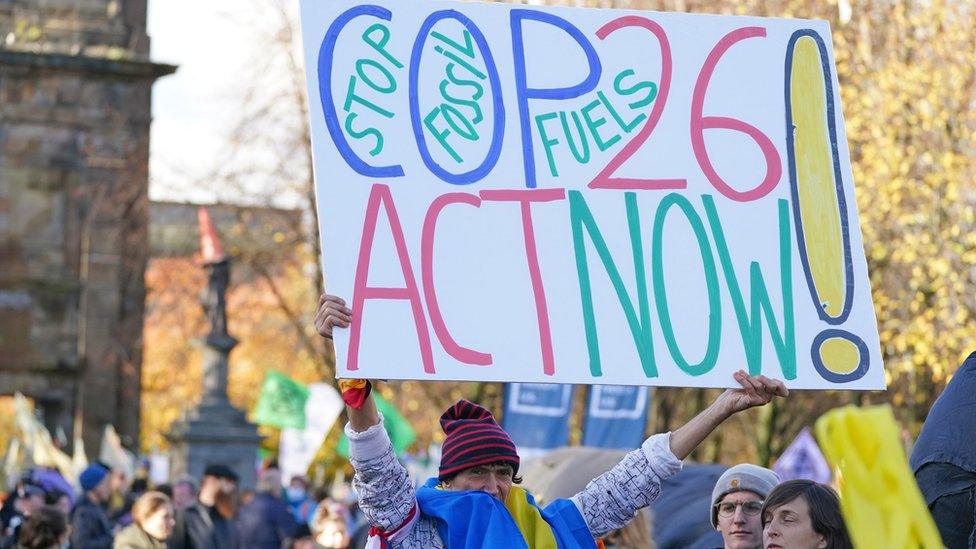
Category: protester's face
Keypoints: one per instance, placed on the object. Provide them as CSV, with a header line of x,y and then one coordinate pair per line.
x,y
789,527
228,486
183,495
334,535
297,489
64,505
495,479
160,523
119,482
103,490
742,528
27,505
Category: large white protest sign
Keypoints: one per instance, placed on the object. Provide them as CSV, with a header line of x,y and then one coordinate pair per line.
x,y
513,193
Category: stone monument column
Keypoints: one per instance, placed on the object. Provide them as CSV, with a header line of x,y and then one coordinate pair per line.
x,y
214,431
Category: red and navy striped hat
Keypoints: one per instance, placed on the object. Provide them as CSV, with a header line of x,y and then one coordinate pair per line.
x,y
473,438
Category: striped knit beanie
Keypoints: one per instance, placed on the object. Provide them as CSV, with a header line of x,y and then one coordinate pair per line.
x,y
473,438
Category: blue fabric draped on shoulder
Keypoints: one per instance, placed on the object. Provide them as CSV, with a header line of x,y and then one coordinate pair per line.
x,y
473,520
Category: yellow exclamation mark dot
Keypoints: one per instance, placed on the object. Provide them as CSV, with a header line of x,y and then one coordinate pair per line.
x,y
819,208
839,355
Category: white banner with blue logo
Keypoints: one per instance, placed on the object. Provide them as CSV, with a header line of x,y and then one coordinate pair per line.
x,y
537,415
615,416
803,459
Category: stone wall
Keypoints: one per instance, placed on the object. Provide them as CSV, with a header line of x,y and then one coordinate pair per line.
x,y
75,85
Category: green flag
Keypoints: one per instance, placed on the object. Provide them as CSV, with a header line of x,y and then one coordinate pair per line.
x,y
282,402
399,429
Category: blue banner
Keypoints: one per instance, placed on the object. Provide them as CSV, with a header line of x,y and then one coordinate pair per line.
x,y
615,416
537,415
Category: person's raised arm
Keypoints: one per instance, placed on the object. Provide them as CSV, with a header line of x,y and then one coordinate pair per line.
x,y
333,313
610,500
386,493
755,391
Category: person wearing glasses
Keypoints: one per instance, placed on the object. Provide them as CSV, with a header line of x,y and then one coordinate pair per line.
x,y
737,502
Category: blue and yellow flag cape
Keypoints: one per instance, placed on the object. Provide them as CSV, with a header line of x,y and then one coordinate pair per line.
x,y
474,519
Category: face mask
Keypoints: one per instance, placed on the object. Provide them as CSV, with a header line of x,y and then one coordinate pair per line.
x,y
295,494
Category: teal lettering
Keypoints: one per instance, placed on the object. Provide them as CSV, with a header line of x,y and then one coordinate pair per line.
x,y
351,97
380,45
378,148
620,121
581,157
711,284
581,217
594,124
441,136
468,48
471,103
651,86
547,143
391,85
750,325
453,57
451,115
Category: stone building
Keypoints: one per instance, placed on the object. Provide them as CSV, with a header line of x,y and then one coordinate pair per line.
x,y
75,84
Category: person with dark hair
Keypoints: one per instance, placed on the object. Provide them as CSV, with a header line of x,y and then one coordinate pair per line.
x,y
803,514
123,515
209,522
58,499
90,527
166,489
153,519
475,501
139,486
29,498
46,528
944,459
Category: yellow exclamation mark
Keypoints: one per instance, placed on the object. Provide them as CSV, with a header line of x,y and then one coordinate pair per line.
x,y
820,206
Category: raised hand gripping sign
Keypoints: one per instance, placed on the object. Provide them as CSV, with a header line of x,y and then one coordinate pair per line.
x,y
586,196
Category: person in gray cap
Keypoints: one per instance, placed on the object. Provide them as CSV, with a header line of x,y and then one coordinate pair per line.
x,y
737,500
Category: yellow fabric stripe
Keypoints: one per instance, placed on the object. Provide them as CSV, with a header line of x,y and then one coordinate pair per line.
x,y
536,531
347,384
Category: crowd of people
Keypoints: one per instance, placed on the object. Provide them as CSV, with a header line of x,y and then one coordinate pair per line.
x,y
110,511
475,500
750,508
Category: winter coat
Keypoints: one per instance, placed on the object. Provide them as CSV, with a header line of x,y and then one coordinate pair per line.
x,y
90,527
202,527
266,522
134,537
